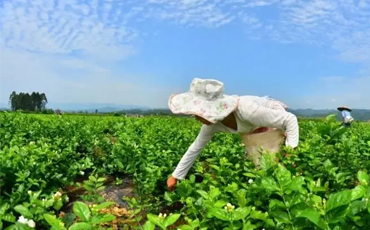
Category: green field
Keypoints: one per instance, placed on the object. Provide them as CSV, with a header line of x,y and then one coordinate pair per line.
x,y
45,158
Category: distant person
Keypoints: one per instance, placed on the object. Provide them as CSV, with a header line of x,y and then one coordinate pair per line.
x,y
346,115
245,115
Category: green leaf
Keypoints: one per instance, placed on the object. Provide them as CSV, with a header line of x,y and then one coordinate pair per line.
x,y
54,222
167,197
3,208
204,194
267,161
249,226
220,203
214,192
338,214
23,211
313,216
249,175
280,216
241,197
220,214
294,199
68,219
283,176
155,220
297,209
186,227
106,218
296,184
358,192
36,195
269,184
241,213
232,188
363,177
80,226
148,226
8,218
357,206
276,204
328,165
104,205
195,223
258,215
49,203
171,219
18,226
81,210
316,199
339,199
58,205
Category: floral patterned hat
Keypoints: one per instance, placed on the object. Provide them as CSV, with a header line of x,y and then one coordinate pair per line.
x,y
205,99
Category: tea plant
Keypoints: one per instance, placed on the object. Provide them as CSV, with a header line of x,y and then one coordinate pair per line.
x,y
323,184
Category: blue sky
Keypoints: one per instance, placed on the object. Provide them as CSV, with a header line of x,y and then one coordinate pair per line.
x,y
309,54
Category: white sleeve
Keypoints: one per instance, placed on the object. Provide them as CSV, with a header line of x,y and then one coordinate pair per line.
x,y
261,116
205,135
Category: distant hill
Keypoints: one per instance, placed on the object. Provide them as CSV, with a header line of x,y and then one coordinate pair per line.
x,y
358,114
91,107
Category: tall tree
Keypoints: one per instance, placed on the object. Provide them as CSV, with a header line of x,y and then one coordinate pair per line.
x,y
44,100
25,101
12,99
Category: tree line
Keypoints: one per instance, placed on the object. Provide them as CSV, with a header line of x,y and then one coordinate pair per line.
x,y
28,102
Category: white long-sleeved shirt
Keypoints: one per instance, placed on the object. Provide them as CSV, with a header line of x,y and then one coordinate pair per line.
x,y
252,112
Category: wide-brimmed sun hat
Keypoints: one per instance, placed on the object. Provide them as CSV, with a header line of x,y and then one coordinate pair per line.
x,y
206,99
341,108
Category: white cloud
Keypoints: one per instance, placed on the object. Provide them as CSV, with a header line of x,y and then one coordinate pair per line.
x,y
50,38
206,13
342,25
66,49
62,26
35,72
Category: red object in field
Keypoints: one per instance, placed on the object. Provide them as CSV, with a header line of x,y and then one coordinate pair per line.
x,y
261,130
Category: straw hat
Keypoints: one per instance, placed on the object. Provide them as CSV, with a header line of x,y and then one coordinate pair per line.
x,y
206,99
341,108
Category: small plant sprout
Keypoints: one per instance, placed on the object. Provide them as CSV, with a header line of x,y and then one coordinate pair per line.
x,y
57,195
229,207
162,216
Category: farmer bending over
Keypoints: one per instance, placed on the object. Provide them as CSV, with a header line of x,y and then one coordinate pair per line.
x,y
245,115
346,115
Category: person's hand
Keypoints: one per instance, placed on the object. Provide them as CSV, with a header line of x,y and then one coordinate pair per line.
x,y
171,183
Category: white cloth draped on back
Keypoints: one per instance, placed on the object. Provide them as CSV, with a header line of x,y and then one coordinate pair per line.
x,y
252,112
